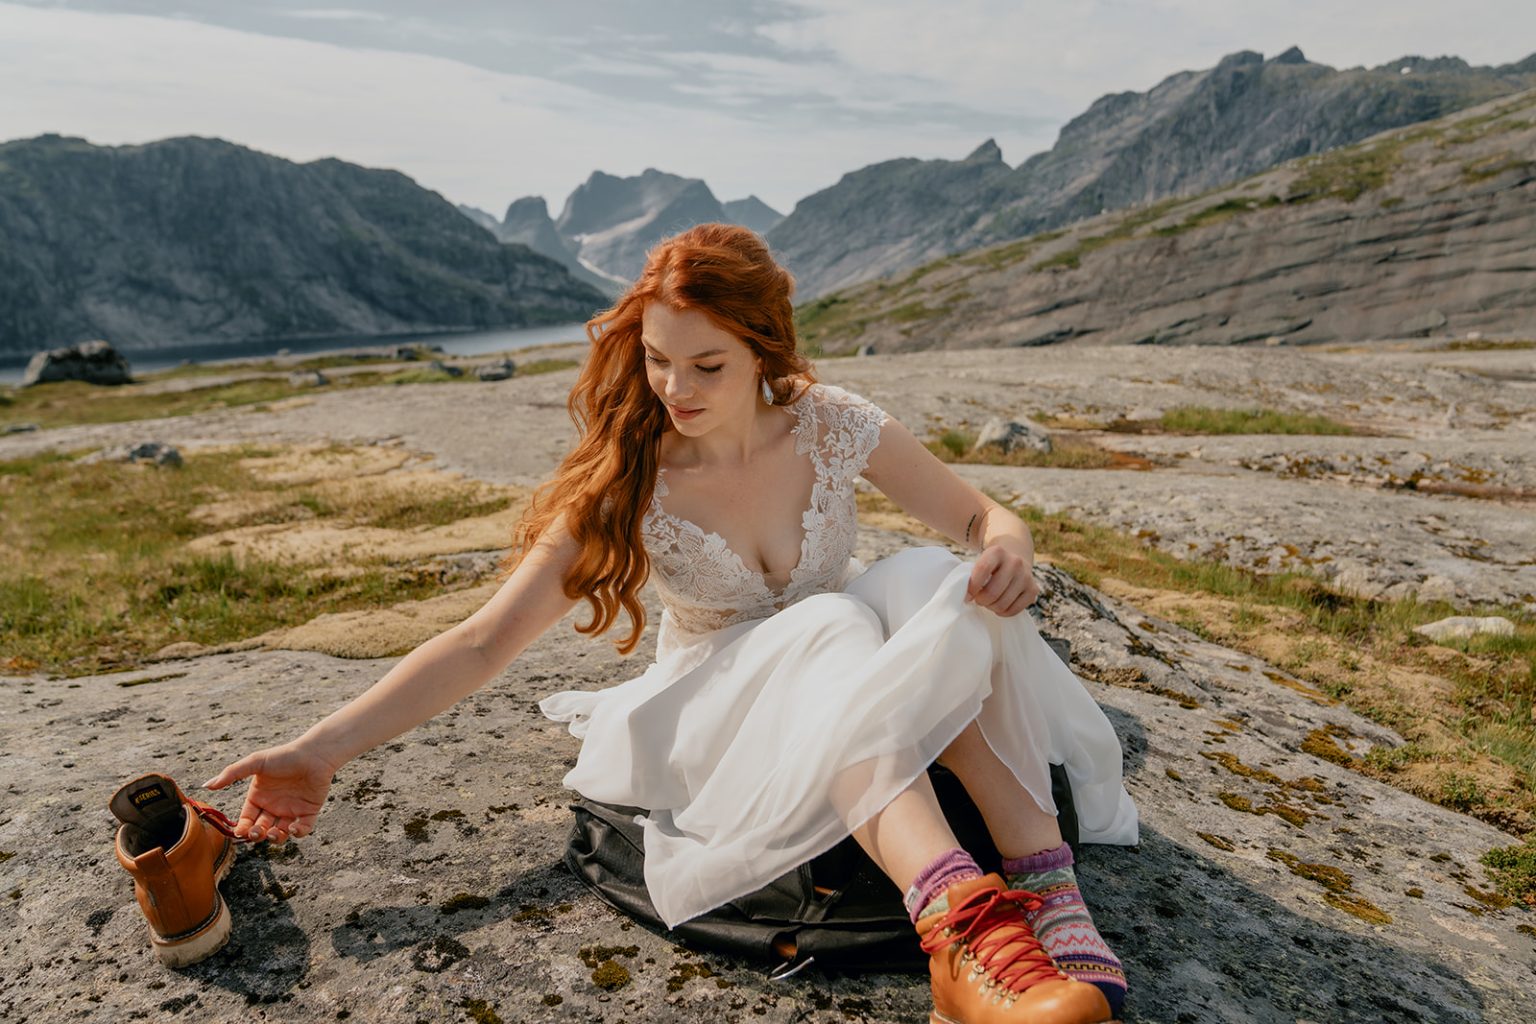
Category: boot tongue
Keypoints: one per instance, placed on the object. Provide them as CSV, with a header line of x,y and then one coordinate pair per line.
x,y
147,802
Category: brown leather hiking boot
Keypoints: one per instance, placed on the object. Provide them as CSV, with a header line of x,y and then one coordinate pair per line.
x,y
987,967
178,850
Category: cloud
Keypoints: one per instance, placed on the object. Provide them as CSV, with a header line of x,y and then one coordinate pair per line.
x,y
476,136
334,14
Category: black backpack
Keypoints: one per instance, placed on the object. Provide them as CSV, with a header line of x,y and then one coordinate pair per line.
x,y
838,910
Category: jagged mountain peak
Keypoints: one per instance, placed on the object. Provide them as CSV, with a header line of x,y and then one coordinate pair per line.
x,y
1242,58
526,207
987,152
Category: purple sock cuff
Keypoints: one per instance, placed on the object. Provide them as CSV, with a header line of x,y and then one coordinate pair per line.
x,y
939,874
1046,860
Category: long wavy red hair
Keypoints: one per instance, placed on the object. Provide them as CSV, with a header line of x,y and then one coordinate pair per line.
x,y
604,485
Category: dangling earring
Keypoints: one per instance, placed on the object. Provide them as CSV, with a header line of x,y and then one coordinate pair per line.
x,y
767,391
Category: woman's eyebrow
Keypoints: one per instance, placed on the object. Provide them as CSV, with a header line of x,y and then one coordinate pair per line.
x,y
696,355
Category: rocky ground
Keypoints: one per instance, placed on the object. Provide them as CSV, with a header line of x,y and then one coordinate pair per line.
x,y
1270,885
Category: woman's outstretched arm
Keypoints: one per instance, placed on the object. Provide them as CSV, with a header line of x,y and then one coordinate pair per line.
x,y
289,782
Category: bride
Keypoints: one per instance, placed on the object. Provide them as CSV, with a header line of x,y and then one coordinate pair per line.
x,y
796,697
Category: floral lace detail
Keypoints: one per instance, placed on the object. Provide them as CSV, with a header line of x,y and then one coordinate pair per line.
x,y
705,586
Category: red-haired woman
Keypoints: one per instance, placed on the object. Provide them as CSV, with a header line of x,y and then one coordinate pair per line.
x,y
796,697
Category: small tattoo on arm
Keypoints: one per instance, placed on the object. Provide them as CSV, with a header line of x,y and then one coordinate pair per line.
x,y
968,527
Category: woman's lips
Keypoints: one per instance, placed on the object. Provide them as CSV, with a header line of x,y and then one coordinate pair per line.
x,y
685,414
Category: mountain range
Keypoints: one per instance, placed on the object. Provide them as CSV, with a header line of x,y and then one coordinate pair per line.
x,y
1417,231
202,240
197,240
1191,132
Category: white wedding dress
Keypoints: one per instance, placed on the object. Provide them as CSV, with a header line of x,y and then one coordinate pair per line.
x,y
771,724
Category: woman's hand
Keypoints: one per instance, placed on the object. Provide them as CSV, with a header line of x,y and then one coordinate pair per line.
x,y
1003,579
287,791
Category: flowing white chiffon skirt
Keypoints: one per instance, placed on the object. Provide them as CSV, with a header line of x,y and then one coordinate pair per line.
x,y
763,744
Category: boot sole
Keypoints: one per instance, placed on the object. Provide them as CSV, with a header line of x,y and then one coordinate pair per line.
x,y
211,938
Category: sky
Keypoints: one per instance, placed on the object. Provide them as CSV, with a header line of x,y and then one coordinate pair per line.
x,y
485,101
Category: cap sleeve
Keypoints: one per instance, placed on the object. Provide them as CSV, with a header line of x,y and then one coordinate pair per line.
x,y
851,429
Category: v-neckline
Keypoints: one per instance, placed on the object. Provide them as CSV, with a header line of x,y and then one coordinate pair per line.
x,y
801,422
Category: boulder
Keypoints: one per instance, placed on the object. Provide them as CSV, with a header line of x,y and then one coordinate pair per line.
x,y
156,453
866,350
1011,435
18,428
307,379
95,362
1460,627
442,367
501,369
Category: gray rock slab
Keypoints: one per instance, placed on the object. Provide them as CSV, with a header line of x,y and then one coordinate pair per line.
x,y
352,918
1396,539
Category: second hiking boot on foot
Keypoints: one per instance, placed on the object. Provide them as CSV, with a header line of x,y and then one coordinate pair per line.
x,y
987,967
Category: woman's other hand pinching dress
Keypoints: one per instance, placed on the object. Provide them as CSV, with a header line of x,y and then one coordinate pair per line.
x,y
772,724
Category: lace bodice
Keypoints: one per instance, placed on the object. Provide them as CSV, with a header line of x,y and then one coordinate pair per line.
x,y
705,586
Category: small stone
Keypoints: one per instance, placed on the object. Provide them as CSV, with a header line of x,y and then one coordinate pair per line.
x,y
442,367
18,428
1459,627
1356,580
865,349
1011,435
1436,588
307,379
501,369
407,353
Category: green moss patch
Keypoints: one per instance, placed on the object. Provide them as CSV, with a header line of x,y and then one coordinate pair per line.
x,y
1198,419
957,445
1359,907
1513,870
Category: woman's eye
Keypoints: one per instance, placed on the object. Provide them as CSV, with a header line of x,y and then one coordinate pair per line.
x,y
653,359
713,369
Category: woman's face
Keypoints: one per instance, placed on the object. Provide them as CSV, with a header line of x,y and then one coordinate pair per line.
x,y
706,376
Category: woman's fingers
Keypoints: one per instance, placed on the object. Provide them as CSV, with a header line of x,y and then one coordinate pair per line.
x,y
240,769
263,825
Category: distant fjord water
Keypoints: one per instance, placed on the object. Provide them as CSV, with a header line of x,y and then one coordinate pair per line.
x,y
455,343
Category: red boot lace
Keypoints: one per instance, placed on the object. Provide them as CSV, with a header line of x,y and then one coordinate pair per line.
x,y
216,818
990,923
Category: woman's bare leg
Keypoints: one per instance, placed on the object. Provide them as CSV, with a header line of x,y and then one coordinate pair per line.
x,y
909,833
1018,826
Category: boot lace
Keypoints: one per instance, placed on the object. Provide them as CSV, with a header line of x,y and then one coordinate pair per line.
x,y
216,818
990,925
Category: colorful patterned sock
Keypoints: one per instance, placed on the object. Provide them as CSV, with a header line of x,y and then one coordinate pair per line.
x,y
927,893
1063,924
